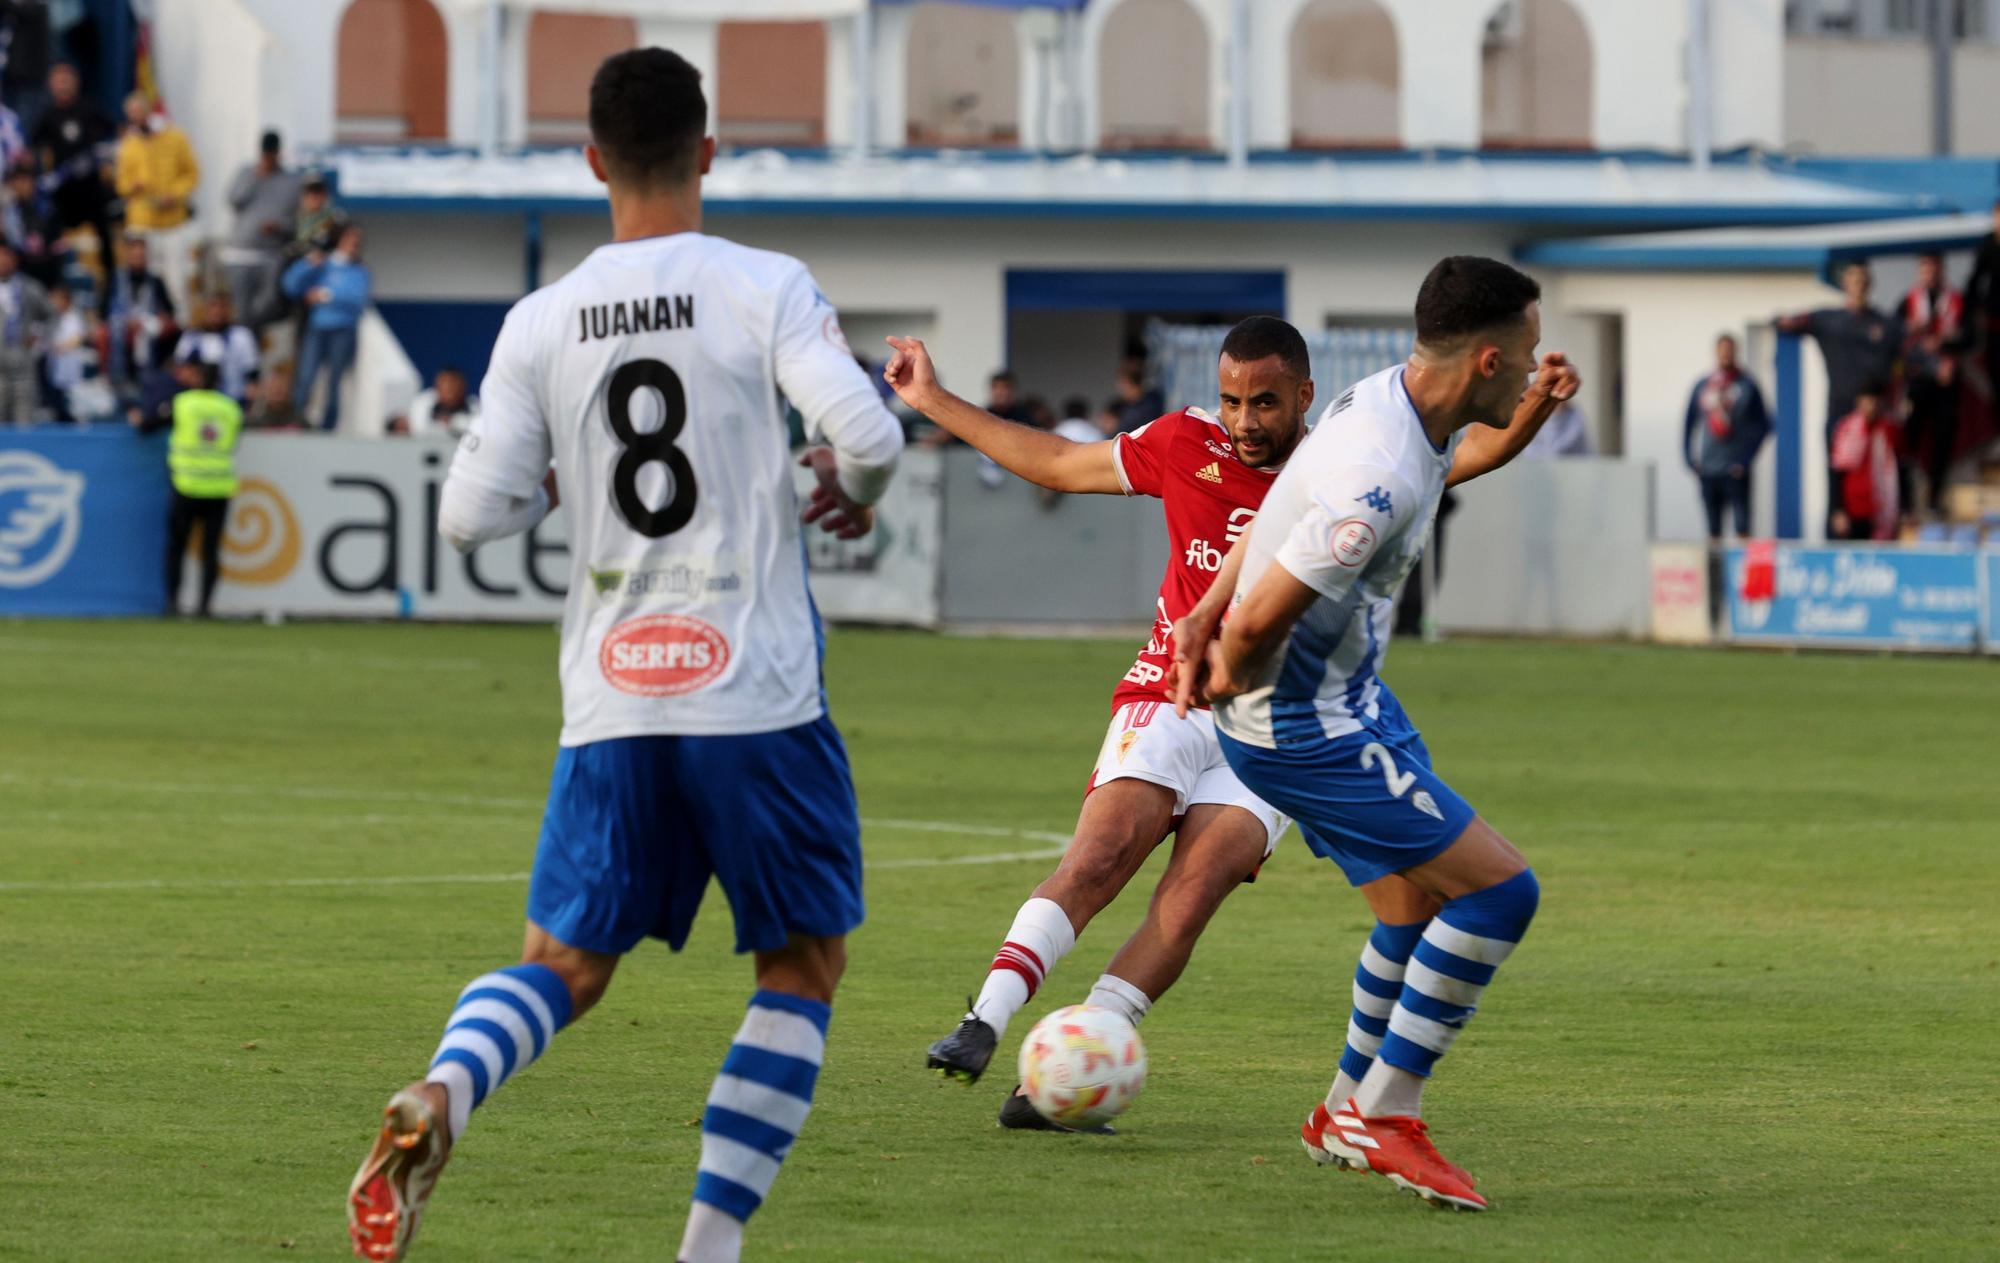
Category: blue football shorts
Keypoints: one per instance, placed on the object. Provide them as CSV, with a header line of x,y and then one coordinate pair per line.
x,y
1368,801
636,826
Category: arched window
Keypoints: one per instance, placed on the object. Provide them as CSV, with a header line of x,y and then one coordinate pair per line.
x,y
564,51
1535,89
964,76
390,73
1345,76
1153,76
770,83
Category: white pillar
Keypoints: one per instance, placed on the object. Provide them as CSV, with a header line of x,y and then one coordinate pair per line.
x,y
1701,103
1438,51
1238,63
1038,39
841,102
469,48
511,76
890,75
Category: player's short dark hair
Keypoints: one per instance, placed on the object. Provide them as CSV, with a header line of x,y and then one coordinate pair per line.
x,y
1935,256
1261,337
1874,387
647,115
1726,336
1466,294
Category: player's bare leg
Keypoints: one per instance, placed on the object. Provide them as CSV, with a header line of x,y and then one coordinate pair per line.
x,y
1120,824
763,1094
1216,849
1488,896
502,1021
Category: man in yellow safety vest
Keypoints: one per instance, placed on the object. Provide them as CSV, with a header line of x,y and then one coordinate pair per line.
x,y
201,456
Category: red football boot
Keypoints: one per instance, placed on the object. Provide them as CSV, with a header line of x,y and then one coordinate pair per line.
x,y
1399,1148
386,1200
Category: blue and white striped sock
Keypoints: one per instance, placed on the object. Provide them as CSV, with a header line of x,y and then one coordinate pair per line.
x,y
755,1110
1378,981
1461,948
503,1021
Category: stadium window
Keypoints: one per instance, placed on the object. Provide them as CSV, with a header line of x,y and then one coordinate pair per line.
x,y
1972,19
963,69
389,73
1345,76
1153,76
1904,17
564,51
1535,90
770,83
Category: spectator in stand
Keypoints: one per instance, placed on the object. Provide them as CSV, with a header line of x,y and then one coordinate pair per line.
x,y
319,221
1138,402
13,140
335,288
70,136
271,406
1726,424
151,407
157,176
70,354
1076,425
1933,315
448,407
139,315
1871,480
25,315
221,341
265,196
1860,343
1110,417
25,221
1982,303
1566,433
24,34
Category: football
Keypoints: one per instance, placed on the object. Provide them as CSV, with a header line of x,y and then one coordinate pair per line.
x,y
1082,1066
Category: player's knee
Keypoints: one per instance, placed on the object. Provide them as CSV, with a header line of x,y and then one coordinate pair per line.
x,y
1094,871
809,967
586,974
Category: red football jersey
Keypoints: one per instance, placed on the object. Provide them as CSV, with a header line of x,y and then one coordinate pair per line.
x,y
1185,459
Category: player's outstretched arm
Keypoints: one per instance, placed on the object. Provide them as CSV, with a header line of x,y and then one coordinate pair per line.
x,y
1484,449
1047,460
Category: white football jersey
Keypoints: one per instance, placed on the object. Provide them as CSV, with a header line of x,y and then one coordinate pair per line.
x,y
1348,517
655,377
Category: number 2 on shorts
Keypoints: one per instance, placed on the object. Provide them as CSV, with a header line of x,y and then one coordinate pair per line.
x,y
1398,782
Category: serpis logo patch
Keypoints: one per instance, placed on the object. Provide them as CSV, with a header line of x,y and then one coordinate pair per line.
x,y
662,655
41,514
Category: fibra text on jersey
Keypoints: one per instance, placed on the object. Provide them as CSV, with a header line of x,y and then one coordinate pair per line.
x,y
635,315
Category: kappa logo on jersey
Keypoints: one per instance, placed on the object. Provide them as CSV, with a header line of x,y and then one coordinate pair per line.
x,y
1353,542
662,655
1343,403
1212,472
1378,500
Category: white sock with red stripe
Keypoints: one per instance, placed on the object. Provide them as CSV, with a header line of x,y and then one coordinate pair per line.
x,y
1040,936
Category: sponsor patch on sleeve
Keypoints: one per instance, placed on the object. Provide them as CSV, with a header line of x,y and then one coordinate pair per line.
x,y
1353,542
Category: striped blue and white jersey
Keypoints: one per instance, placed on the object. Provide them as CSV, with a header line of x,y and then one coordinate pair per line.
x,y
1348,517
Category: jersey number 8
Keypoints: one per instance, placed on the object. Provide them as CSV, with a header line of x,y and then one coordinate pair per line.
x,y
656,446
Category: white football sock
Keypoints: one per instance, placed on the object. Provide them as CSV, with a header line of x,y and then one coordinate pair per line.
x,y
1387,1090
711,1236
1120,996
1344,1087
1040,936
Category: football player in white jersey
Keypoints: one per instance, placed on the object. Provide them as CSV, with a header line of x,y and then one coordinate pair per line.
x,y
1307,723
695,738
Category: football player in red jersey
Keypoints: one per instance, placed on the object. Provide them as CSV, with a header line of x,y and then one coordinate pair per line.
x,y
1158,773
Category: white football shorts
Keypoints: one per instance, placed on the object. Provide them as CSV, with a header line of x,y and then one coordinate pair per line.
x,y
1147,741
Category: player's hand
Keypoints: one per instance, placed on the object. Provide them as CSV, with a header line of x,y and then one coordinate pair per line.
x,y
1556,379
1192,634
829,506
1220,685
910,372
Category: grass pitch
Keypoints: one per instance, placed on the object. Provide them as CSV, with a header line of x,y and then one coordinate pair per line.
x,y
1755,1019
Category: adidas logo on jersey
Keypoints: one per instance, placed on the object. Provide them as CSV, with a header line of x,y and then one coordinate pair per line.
x,y
1211,473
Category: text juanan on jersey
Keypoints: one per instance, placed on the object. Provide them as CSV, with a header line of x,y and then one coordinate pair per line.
x,y
635,315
